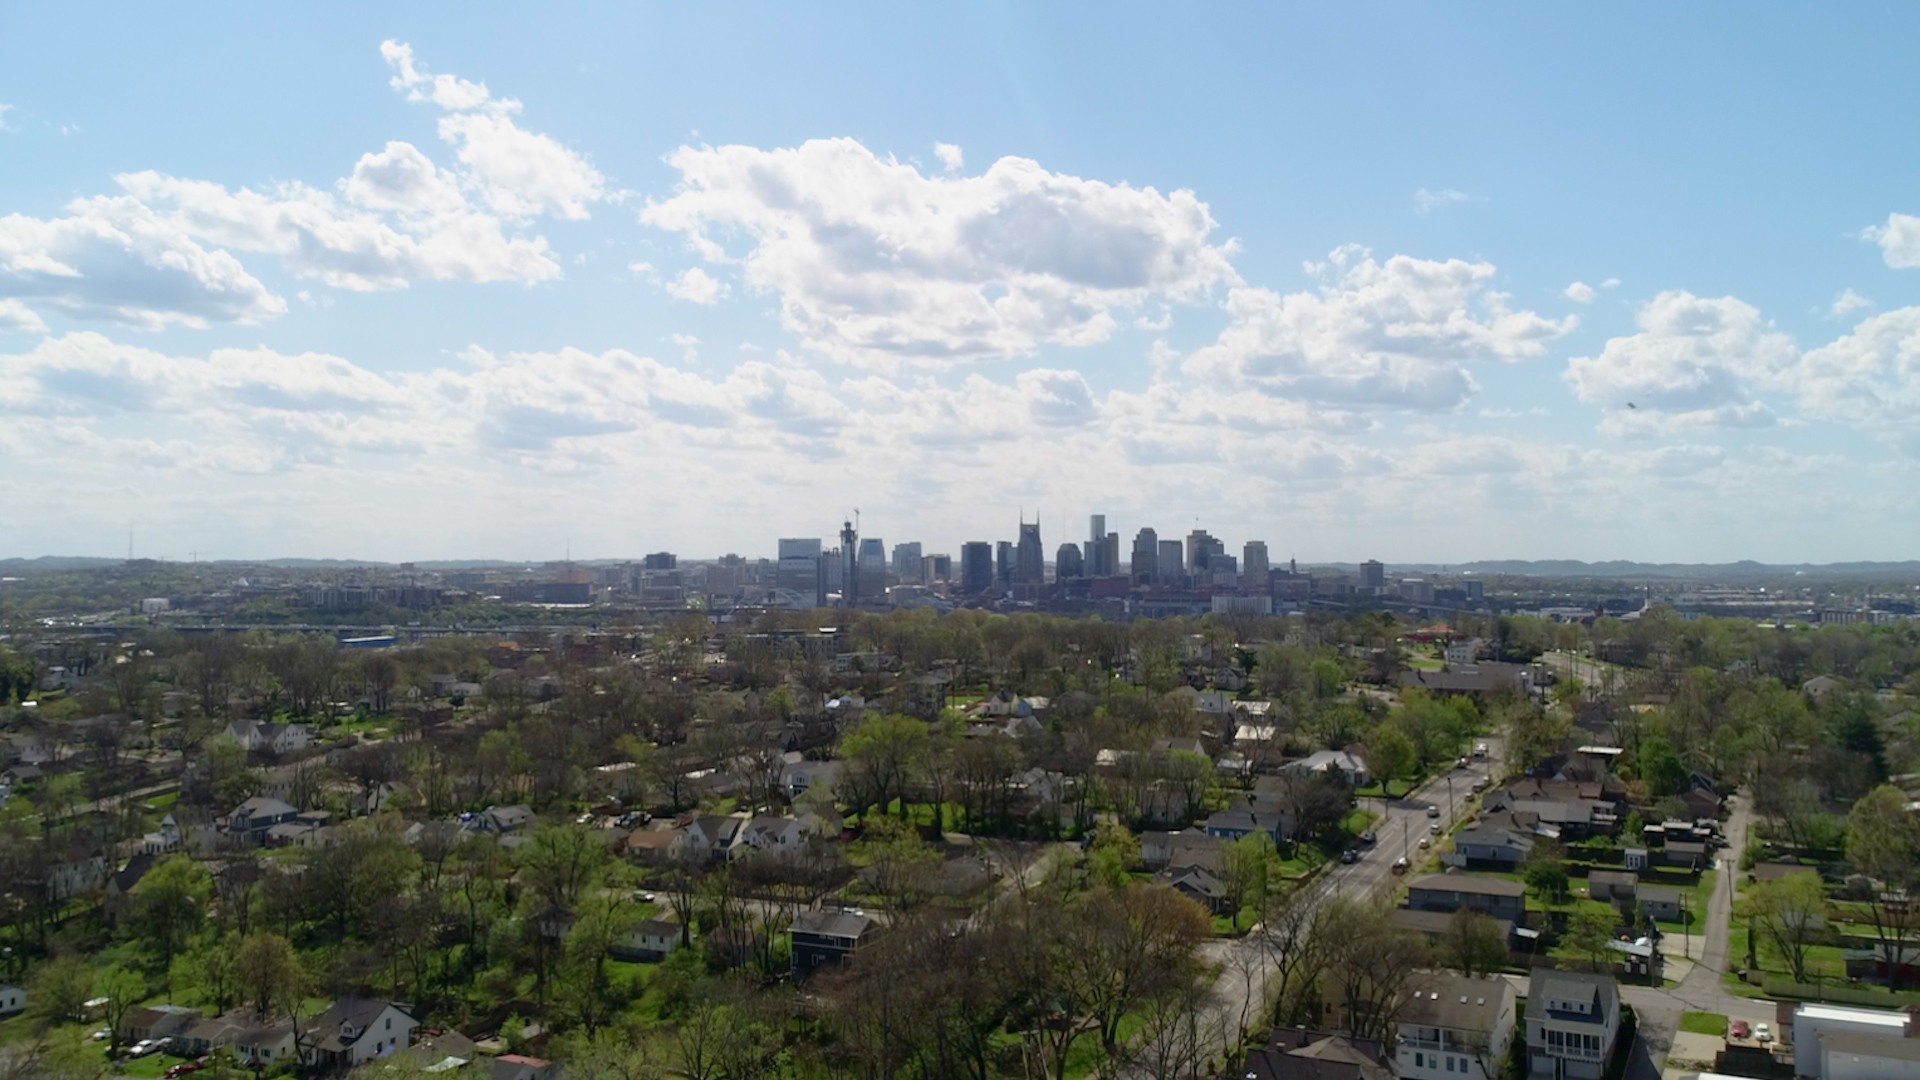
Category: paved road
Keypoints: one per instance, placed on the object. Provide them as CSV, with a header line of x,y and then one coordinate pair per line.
x,y
1238,996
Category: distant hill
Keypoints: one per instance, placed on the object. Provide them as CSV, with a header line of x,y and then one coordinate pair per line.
x,y
1746,568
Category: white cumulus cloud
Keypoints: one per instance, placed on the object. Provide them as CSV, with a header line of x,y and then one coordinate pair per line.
x,y
1695,361
874,261
19,318
1899,240
1579,292
1845,303
518,173
696,286
951,159
1395,334
1869,378
114,258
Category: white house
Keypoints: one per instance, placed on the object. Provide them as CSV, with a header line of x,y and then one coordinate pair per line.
x,y
252,735
1464,653
775,835
69,879
1342,761
13,999
646,940
708,837
354,1031
1572,1020
1849,1032
1454,1028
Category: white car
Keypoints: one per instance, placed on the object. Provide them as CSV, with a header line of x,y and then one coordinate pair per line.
x,y
1762,1033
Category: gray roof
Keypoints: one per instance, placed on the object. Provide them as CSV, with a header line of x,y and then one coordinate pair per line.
x,y
1897,1047
842,924
1469,883
1455,1001
1613,877
1659,894
1548,983
1437,922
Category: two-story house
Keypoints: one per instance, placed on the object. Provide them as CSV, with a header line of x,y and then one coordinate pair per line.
x,y
827,938
254,736
1452,1027
251,819
1497,897
708,838
1572,1021
354,1031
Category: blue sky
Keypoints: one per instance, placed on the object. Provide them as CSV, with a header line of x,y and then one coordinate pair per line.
x,y
1408,282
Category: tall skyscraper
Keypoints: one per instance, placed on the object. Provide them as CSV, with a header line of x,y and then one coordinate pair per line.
x,y
976,567
1110,555
798,565
1067,563
1097,547
849,564
1005,563
907,563
1201,546
1373,575
1031,559
1172,566
1253,565
1145,564
873,570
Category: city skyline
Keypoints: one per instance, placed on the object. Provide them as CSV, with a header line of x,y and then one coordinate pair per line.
x,y
1449,286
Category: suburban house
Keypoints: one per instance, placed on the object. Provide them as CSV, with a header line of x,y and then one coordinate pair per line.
x,y
1436,925
1478,680
1237,821
1491,844
1574,816
1617,887
159,1022
798,776
254,736
165,839
1572,1019
647,940
647,844
252,819
1345,762
1188,847
13,999
354,1031
1452,1026
503,820
1497,897
779,835
1299,1054
1661,902
708,837
1200,885
1685,854
827,938
80,874
1463,652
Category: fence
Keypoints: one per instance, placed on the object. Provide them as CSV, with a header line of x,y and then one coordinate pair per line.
x,y
1780,987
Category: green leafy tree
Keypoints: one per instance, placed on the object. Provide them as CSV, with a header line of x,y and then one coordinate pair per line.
x,y
1789,913
1248,866
1114,852
58,990
1883,842
1589,930
881,753
170,906
269,973
1389,755
1660,767
1473,943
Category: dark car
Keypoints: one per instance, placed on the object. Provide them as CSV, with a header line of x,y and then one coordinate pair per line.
x,y
1367,837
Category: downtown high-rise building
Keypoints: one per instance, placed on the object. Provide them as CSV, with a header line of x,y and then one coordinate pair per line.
x,y
1005,562
1030,558
1254,569
1201,548
976,567
1068,565
1096,565
1171,568
1373,575
907,563
1145,565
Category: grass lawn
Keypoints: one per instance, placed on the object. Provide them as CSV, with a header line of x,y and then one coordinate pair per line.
x,y
1703,1023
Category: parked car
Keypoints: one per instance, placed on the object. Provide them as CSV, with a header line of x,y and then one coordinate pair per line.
x,y
1433,811
1400,865
1367,837
1426,841
1761,1032
1349,856
1739,1029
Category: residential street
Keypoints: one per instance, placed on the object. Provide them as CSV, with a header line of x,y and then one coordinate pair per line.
x,y
1240,989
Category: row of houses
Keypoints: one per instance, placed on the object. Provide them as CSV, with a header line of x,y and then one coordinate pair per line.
x,y
1455,1027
